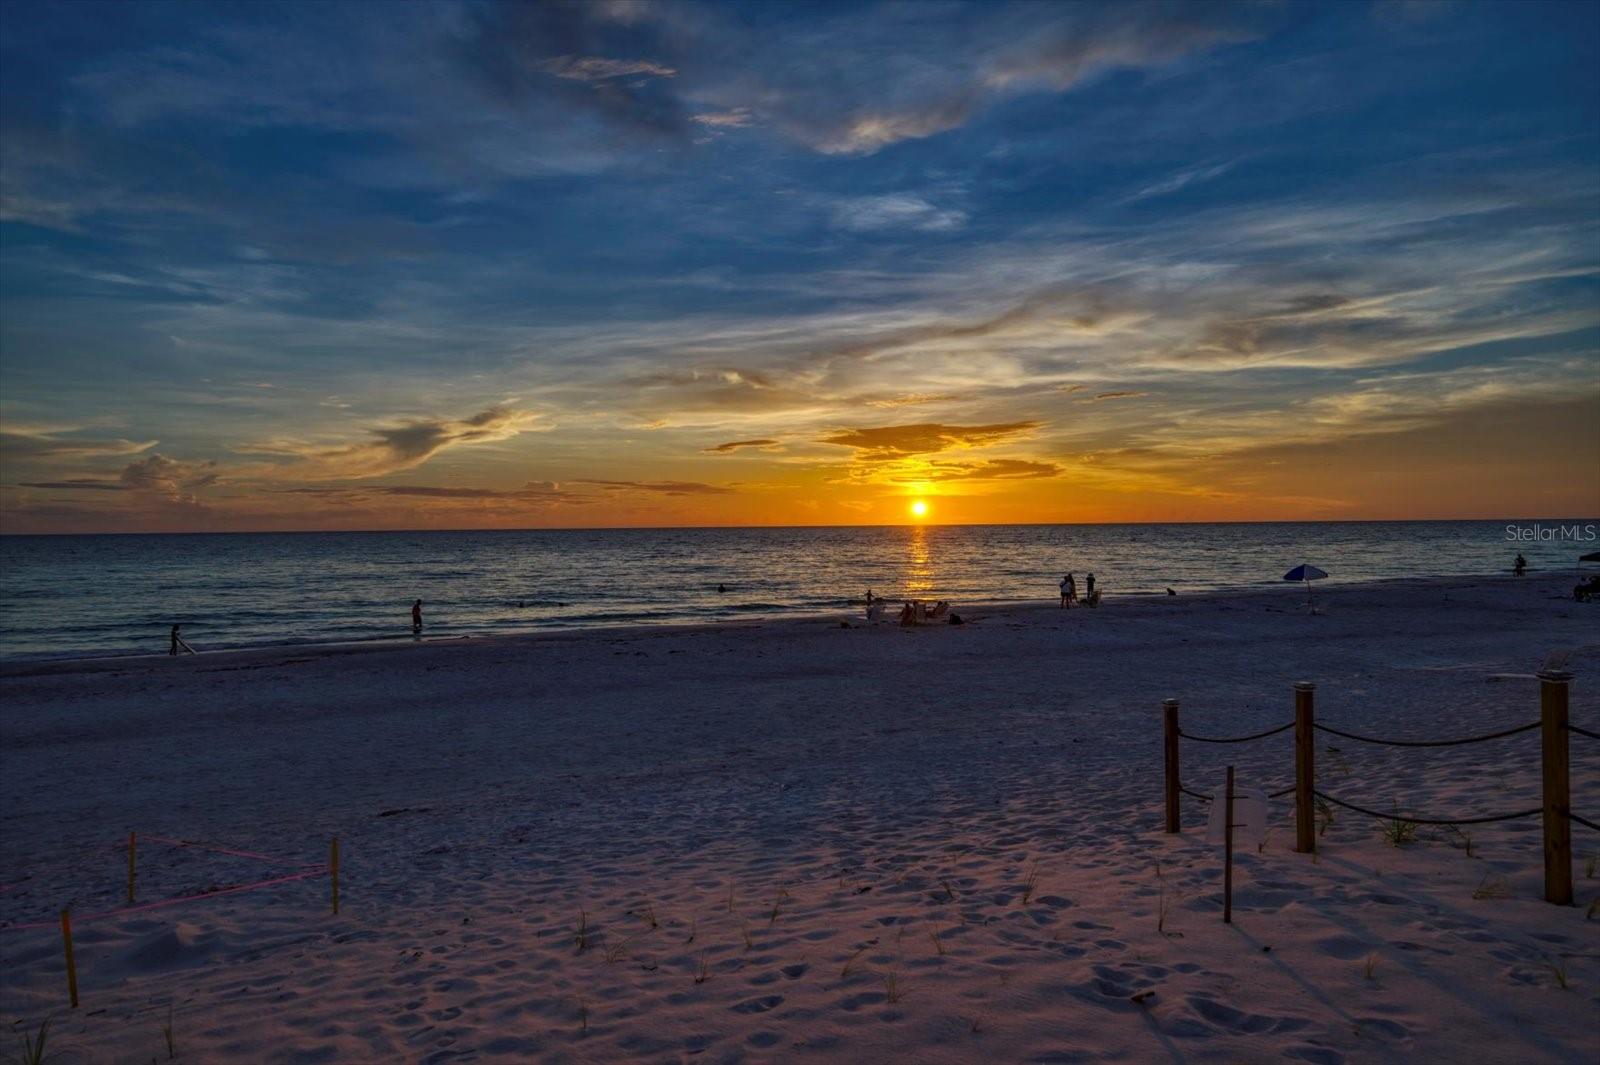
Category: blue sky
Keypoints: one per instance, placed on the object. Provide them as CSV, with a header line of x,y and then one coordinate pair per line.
x,y
385,265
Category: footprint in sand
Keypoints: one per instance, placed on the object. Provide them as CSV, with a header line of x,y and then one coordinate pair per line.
x,y
758,1005
1239,1021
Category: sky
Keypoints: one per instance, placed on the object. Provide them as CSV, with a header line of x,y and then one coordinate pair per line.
x,y
478,265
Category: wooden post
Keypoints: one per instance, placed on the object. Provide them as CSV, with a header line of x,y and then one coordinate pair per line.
x,y
1553,687
72,967
1227,850
133,867
1169,709
333,871
1305,758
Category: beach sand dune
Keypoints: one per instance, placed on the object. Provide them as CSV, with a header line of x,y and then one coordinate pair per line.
x,y
796,841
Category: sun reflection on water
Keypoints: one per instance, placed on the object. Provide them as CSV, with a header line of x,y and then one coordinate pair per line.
x,y
919,563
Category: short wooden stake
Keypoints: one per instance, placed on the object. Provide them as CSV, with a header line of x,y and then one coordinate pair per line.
x,y
72,967
1305,759
333,871
1227,851
133,866
1553,687
1169,714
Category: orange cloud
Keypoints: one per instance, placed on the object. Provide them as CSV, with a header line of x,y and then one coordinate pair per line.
x,y
735,445
895,441
396,448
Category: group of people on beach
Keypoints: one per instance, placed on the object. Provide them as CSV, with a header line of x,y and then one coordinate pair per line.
x,y
1069,591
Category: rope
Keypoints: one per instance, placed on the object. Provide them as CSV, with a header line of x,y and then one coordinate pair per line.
x,y
1584,821
1236,739
194,844
1429,743
1583,732
304,874
1207,798
1426,820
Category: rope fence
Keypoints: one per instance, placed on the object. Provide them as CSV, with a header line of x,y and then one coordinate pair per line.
x,y
305,871
1429,743
1555,812
1238,739
1206,798
1409,819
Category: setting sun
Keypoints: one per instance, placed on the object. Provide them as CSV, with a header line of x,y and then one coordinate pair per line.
x,y
919,508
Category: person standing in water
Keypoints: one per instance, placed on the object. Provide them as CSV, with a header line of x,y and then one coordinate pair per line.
x,y
177,642
416,618
1088,586
1520,566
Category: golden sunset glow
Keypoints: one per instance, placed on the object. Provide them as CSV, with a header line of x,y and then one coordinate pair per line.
x,y
919,508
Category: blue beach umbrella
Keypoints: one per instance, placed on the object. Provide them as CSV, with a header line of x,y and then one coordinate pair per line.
x,y
1305,573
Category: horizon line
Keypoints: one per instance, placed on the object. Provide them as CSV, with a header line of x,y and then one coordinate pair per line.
x,y
6,535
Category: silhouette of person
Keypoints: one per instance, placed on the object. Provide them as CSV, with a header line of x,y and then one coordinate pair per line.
x,y
1088,585
1520,566
1069,591
1171,592
177,642
416,618
722,587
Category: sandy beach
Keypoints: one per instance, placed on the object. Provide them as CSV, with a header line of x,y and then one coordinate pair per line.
x,y
799,841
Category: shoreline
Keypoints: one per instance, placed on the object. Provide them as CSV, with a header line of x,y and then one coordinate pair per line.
x,y
73,662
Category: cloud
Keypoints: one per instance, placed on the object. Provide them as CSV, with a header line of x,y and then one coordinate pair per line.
x,y
670,488
597,68
991,470
1118,395
395,448
896,211
1182,179
77,483
913,399
29,443
171,479
894,441
547,491
735,445
734,118
883,90
547,58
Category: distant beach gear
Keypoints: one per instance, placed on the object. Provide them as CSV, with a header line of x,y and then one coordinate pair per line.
x,y
1305,573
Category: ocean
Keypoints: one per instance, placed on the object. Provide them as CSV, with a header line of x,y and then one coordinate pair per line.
x,y
74,596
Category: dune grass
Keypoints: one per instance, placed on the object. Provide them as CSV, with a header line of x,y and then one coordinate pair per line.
x,y
1397,831
33,1045
1030,883
1491,888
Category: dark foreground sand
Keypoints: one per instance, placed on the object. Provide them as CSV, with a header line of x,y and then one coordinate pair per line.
x,y
793,841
